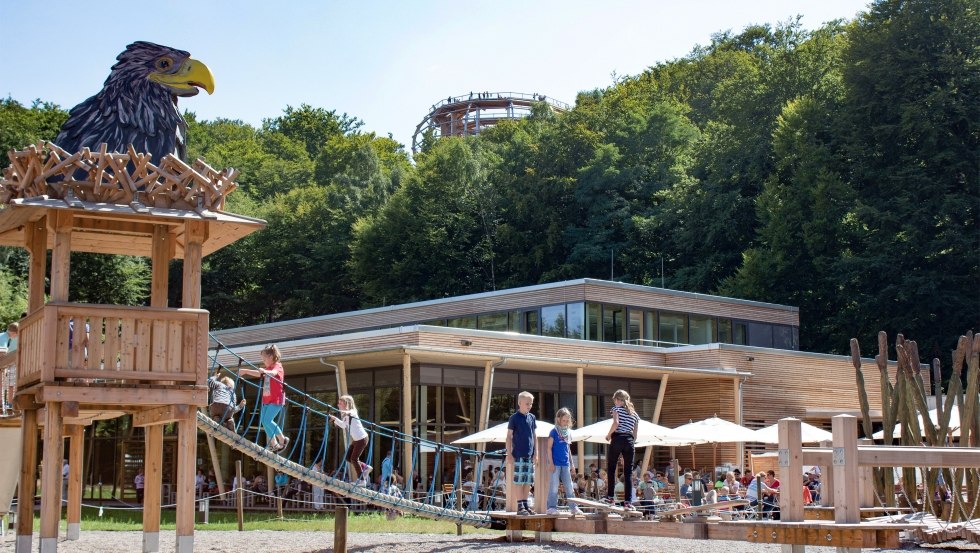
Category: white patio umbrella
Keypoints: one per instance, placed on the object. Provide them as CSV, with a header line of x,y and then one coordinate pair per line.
x,y
648,434
954,424
811,434
714,430
498,433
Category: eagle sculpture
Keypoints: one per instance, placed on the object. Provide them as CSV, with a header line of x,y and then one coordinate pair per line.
x,y
138,103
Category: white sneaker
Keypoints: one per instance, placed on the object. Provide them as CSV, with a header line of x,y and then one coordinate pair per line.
x,y
576,511
552,511
365,469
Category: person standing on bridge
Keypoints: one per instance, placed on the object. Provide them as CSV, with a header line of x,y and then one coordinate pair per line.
x,y
521,451
560,453
273,396
358,438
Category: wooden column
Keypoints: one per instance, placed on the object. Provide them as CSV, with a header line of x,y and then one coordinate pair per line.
x,y
845,461
76,433
195,232
407,421
342,377
866,493
791,475
186,459
152,486
661,391
26,488
61,255
51,463
161,254
542,480
740,446
580,413
485,397
36,241
827,479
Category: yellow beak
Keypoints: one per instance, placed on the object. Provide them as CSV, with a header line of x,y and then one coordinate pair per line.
x,y
185,81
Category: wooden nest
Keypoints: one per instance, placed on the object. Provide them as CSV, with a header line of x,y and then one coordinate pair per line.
x,y
116,178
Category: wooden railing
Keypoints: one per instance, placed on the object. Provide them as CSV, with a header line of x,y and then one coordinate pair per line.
x,y
87,342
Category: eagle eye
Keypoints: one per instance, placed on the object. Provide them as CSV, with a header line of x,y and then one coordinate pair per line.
x,y
164,63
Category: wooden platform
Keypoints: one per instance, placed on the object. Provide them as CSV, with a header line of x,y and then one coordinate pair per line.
x,y
603,507
863,535
827,513
705,508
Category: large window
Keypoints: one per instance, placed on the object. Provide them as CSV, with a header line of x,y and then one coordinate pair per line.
x,y
462,322
592,315
740,333
760,334
650,326
635,326
553,320
725,331
702,329
783,337
575,320
673,328
613,323
493,321
531,322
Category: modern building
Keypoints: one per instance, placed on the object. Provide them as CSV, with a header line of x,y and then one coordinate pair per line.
x,y
457,363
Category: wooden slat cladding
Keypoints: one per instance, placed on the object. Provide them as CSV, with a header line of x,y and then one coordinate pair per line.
x,y
693,400
510,300
692,303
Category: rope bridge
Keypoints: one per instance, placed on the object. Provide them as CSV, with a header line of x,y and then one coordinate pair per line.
x,y
291,461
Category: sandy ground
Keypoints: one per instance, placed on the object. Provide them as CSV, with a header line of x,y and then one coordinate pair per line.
x,y
266,541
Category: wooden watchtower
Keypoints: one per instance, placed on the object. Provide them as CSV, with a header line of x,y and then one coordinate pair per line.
x,y
82,362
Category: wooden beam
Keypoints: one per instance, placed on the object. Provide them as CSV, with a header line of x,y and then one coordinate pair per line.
x,y
194,236
485,396
61,255
76,435
51,464
197,396
186,467
407,421
342,377
152,484
791,475
845,470
160,264
658,407
162,415
37,245
69,409
26,487
580,413
216,464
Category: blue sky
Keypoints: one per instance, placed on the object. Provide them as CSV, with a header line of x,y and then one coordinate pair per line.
x,y
385,62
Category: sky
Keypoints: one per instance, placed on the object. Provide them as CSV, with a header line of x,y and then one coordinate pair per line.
x,y
385,62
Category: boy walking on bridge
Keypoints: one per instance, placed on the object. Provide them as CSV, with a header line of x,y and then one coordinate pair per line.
x,y
521,451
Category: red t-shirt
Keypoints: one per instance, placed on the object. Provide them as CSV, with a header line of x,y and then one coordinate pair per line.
x,y
272,390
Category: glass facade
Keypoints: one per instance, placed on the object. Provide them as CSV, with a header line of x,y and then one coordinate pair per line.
x,y
604,322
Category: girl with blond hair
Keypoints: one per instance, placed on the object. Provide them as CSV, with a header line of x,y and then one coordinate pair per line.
x,y
621,436
358,437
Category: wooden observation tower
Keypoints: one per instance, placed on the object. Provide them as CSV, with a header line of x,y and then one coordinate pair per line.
x,y
78,362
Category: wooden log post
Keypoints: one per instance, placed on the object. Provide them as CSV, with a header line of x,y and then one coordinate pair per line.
x,y
846,485
340,530
661,391
542,478
240,495
791,476
152,487
26,489
76,434
61,255
36,238
51,478
186,464
407,423
827,479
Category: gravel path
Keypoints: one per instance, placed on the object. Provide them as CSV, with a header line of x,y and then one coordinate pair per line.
x,y
267,541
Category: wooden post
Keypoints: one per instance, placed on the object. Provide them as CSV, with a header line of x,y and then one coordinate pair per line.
x,y
827,480
76,434
51,479
542,480
216,463
485,396
194,235
342,376
61,255
739,446
26,489
186,464
240,495
152,486
37,245
580,413
340,530
407,422
661,390
866,493
791,476
161,254
845,460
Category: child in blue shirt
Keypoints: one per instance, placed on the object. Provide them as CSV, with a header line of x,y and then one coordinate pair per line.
x,y
520,450
559,444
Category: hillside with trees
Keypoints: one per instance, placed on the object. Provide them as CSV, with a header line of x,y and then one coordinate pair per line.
x,y
837,170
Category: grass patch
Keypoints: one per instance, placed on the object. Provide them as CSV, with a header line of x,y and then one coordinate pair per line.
x,y
123,521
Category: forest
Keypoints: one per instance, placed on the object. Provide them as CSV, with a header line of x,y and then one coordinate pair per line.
x,y
835,169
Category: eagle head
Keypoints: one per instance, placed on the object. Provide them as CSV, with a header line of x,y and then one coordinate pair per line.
x,y
168,67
